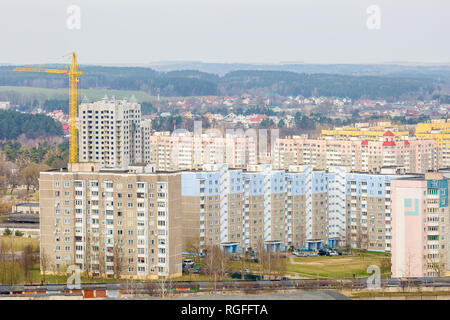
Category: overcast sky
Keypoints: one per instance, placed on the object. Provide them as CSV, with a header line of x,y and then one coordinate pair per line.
x,y
252,31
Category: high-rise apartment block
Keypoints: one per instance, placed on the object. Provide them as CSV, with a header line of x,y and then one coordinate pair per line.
x,y
415,155
300,207
109,132
187,151
123,223
420,226
438,131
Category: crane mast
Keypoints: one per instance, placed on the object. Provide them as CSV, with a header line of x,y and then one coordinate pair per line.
x,y
74,75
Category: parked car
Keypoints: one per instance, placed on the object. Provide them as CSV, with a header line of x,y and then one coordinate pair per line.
x,y
196,269
303,254
188,262
333,253
323,252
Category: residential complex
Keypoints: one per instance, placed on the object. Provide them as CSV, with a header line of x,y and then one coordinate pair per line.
x,y
300,207
138,198
112,133
415,155
186,151
135,221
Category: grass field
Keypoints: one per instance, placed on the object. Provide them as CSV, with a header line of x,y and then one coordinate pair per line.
x,y
19,243
326,266
338,266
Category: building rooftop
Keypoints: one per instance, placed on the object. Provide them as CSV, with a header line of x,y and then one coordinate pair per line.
x,y
28,204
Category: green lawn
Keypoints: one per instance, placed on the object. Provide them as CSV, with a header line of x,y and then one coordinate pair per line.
x,y
19,243
338,266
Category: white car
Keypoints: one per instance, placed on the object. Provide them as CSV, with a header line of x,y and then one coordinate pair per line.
x,y
333,253
188,261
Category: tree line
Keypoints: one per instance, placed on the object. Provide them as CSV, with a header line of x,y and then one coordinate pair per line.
x,y
195,83
13,124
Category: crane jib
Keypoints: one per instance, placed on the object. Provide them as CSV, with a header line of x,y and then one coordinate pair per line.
x,y
73,73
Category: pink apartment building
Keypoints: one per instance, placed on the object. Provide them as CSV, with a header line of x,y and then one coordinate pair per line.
x,y
419,244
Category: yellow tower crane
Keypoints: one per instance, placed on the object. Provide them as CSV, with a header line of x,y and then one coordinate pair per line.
x,y
73,74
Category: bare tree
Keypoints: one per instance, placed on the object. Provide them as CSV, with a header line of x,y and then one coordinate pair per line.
x,y
243,259
87,255
279,264
101,262
408,273
13,180
261,255
27,262
30,175
4,172
435,264
193,245
3,267
164,284
213,255
118,258
223,261
44,262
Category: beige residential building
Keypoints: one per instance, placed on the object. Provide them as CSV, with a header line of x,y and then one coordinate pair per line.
x,y
112,222
185,151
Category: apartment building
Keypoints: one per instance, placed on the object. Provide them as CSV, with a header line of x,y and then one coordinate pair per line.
x,y
186,151
415,155
213,205
307,204
146,132
420,226
439,131
235,208
114,222
368,204
109,133
298,207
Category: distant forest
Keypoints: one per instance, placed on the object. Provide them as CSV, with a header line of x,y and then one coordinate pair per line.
x,y
13,124
195,83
